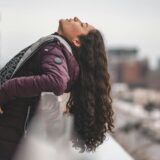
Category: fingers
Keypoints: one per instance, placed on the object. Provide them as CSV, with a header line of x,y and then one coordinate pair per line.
x,y
1,111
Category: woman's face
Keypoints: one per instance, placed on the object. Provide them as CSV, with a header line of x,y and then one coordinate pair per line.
x,y
72,28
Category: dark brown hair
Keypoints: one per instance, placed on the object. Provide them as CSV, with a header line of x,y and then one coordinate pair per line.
x,y
90,102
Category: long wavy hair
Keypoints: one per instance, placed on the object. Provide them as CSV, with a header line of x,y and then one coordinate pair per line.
x,y
90,102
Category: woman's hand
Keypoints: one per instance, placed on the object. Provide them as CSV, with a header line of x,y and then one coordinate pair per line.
x,y
1,111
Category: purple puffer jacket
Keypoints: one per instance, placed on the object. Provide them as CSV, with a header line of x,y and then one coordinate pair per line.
x,y
52,69
54,77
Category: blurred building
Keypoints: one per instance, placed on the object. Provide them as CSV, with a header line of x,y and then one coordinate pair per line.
x,y
153,79
125,67
117,56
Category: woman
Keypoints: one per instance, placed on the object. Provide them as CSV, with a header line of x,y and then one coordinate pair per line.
x,y
73,61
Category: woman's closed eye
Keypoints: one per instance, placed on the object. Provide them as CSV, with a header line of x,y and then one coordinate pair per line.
x,y
84,24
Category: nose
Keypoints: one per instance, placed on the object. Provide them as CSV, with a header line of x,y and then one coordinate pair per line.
x,y
76,19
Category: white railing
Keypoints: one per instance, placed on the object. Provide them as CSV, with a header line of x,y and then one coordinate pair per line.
x,y
109,150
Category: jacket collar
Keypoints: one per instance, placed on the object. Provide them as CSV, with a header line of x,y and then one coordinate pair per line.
x,y
64,41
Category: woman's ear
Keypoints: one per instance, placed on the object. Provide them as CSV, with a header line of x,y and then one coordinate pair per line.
x,y
76,42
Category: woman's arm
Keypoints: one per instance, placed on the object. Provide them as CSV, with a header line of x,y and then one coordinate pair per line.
x,y
54,78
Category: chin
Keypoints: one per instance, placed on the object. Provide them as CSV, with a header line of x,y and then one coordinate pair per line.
x,y
61,23
61,20
60,28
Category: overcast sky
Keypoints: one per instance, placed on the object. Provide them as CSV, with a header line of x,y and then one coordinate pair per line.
x,y
131,23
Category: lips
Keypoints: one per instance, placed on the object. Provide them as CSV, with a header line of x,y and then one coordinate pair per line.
x,y
69,20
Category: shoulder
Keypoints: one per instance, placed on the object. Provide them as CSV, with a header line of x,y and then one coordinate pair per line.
x,y
52,49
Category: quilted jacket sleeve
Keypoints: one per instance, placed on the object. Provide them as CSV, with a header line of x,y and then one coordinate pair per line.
x,y
54,78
